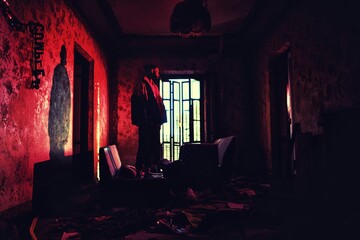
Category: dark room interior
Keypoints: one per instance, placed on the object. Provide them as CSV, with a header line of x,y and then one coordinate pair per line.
x,y
263,119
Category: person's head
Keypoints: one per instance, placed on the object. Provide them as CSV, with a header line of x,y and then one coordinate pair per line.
x,y
152,71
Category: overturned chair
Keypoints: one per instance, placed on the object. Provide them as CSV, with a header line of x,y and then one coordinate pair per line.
x,y
120,187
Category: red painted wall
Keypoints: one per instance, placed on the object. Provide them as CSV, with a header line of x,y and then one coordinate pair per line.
x,y
24,112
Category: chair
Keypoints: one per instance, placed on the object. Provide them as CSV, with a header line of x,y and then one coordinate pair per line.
x,y
207,165
226,153
120,186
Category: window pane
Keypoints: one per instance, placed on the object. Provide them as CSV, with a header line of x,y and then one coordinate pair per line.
x,y
195,89
176,91
197,136
161,134
196,110
166,90
176,122
186,126
166,128
167,105
166,154
186,94
176,152
186,105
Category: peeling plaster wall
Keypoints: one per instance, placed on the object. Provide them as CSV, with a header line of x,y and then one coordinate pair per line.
x,y
24,137
325,68
229,96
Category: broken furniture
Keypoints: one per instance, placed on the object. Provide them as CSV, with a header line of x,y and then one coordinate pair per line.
x,y
52,183
207,165
119,186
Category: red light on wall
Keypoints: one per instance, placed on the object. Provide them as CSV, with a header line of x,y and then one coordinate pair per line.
x,y
288,99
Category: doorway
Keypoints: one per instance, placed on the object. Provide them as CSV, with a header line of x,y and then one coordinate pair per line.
x,y
83,159
281,117
183,99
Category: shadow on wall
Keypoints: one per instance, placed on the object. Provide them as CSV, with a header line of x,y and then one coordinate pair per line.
x,y
59,113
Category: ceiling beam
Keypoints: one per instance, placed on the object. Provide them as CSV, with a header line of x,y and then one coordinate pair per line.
x,y
111,18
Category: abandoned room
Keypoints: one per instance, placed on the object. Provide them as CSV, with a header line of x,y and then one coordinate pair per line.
x,y
262,99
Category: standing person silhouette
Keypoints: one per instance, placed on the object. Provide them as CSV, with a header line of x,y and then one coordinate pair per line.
x,y
148,113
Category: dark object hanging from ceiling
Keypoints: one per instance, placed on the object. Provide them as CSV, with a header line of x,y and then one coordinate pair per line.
x,y
190,18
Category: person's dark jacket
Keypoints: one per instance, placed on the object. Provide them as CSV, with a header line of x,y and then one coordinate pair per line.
x,y
146,108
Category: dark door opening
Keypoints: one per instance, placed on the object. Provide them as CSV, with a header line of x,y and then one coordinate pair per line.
x,y
281,117
83,160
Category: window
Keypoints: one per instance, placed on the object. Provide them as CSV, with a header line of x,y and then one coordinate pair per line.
x,y
185,110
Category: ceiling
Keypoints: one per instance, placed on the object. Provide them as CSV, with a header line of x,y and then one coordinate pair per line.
x,y
152,17
112,21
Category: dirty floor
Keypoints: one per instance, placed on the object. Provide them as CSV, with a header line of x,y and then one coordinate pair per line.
x,y
244,208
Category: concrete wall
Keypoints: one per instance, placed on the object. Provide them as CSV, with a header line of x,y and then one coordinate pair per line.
x,y
25,113
323,38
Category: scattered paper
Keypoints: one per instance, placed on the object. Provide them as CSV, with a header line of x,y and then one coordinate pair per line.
x,y
71,236
248,191
102,218
235,205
